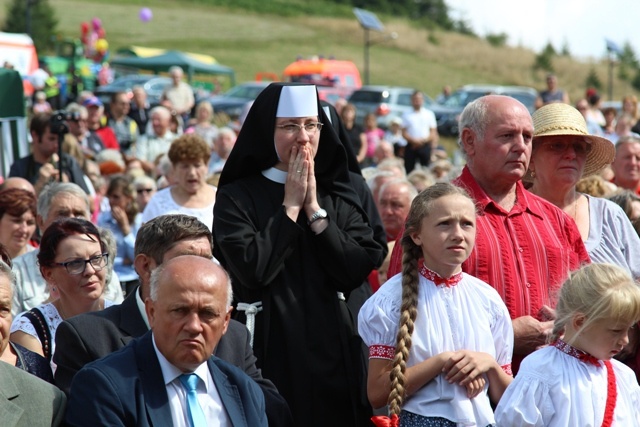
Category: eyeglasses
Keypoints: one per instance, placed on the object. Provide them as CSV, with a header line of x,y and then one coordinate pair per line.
x,y
144,190
78,266
293,128
580,148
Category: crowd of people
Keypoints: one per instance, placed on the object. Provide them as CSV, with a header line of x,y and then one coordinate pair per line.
x,y
300,268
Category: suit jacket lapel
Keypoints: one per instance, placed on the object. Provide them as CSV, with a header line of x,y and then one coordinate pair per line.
x,y
229,395
131,321
10,413
152,382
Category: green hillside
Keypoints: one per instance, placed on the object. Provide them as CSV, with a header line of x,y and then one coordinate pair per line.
x,y
252,42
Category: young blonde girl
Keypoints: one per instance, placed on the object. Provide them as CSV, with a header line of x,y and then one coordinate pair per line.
x,y
574,381
440,341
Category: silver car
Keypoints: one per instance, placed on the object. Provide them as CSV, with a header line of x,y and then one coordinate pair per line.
x,y
448,113
386,102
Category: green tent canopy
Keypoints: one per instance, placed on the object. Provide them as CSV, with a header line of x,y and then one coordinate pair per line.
x,y
13,123
162,63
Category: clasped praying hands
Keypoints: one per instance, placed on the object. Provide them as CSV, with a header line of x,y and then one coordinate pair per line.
x,y
300,186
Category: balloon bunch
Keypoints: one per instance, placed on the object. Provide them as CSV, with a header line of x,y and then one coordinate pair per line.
x,y
93,37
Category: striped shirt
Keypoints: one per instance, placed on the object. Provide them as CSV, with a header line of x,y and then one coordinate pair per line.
x,y
525,254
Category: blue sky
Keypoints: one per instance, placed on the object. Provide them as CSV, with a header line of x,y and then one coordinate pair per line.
x,y
582,24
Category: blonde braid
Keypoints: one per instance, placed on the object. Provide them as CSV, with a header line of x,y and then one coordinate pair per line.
x,y
408,314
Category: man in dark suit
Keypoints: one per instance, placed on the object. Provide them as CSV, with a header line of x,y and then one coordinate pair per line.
x,y
149,382
88,337
26,400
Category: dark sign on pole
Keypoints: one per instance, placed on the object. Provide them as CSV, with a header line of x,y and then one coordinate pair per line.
x,y
369,22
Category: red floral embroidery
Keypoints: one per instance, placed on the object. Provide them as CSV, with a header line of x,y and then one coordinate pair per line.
x,y
382,352
578,354
507,369
439,280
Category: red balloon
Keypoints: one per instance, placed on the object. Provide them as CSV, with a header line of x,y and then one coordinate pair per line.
x,y
84,28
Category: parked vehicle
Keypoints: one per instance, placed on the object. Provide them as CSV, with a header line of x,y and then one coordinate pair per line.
x,y
448,113
152,84
386,102
333,78
19,51
232,101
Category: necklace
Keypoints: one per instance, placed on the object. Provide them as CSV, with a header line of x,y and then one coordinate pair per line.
x,y
58,307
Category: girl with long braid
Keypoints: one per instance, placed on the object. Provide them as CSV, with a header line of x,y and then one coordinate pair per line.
x,y
575,381
440,341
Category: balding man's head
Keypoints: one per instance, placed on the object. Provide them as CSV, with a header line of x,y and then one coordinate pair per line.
x,y
188,313
160,120
496,132
17,182
626,165
394,203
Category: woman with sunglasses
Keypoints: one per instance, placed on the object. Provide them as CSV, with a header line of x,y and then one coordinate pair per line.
x,y
73,261
145,189
563,153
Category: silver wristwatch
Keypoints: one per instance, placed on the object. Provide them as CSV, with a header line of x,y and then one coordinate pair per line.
x,y
317,215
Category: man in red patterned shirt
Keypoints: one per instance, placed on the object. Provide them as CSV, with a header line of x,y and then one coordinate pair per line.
x,y
525,246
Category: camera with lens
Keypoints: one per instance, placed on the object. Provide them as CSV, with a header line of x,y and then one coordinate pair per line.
x,y
59,119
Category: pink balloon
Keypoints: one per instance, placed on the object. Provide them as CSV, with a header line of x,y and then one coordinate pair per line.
x,y
145,14
96,23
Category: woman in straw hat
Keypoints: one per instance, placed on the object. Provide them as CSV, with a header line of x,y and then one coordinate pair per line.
x,y
563,153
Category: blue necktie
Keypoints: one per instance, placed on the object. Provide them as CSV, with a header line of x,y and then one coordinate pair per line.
x,y
196,416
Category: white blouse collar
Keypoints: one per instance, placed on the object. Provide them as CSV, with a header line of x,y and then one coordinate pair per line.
x,y
275,175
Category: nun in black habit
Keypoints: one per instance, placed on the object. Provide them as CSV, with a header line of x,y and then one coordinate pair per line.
x,y
292,234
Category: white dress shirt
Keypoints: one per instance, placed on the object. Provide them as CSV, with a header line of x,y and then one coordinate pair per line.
x,y
208,395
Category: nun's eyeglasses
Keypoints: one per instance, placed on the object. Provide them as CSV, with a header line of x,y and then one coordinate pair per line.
x,y
293,128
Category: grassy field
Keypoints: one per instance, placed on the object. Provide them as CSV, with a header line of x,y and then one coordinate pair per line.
x,y
252,43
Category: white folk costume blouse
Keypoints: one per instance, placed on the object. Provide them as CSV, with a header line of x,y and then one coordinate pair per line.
x,y
466,314
560,386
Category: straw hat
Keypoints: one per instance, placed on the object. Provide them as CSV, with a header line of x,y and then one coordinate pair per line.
x,y
563,119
